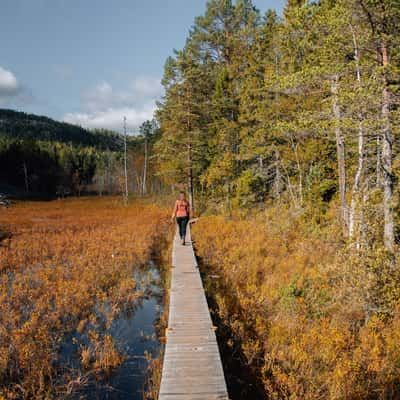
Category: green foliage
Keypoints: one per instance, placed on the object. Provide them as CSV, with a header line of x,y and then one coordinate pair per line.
x,y
43,157
277,109
19,125
249,185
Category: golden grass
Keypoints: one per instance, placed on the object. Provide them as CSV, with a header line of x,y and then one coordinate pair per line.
x,y
63,259
301,305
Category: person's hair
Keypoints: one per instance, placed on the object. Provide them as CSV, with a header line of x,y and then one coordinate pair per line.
x,y
182,192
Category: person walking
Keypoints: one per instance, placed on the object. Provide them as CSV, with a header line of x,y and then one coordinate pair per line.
x,y
181,214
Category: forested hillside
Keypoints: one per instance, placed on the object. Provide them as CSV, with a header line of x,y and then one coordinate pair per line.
x,y
19,125
287,126
40,156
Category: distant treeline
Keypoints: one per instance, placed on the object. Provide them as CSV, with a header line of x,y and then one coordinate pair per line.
x,y
43,157
20,125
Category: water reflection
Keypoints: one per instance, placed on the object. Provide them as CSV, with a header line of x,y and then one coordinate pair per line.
x,y
134,332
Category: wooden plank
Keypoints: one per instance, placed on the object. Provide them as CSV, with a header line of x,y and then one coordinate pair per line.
x,y
192,368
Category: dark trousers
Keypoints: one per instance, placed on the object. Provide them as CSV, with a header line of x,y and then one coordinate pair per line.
x,y
182,223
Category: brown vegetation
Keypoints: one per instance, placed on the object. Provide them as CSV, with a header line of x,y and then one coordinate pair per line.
x,y
313,320
68,267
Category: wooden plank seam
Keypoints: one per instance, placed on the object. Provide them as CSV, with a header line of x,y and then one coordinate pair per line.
x,y
192,368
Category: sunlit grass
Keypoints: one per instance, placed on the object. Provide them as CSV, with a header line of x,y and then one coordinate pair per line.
x,y
303,308
65,263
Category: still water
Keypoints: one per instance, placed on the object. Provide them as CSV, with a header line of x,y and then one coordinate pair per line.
x,y
135,334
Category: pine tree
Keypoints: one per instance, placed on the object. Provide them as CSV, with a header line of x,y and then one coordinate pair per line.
x,y
383,18
299,109
181,149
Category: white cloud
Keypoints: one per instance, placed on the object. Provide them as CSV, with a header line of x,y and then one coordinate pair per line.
x,y
9,86
104,106
12,92
101,97
104,96
112,118
8,82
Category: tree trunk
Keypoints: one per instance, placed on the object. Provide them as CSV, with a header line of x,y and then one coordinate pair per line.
x,y
125,163
355,195
340,149
299,169
26,177
144,187
378,183
290,187
190,178
357,183
277,178
387,155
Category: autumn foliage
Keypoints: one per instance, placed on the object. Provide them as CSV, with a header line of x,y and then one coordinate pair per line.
x,y
68,267
313,320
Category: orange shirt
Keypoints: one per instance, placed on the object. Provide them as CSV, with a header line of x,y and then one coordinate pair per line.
x,y
181,208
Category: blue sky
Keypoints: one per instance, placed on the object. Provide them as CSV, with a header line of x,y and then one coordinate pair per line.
x,y
91,62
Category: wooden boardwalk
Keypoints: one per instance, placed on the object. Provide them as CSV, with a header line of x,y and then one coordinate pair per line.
x,y
192,366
